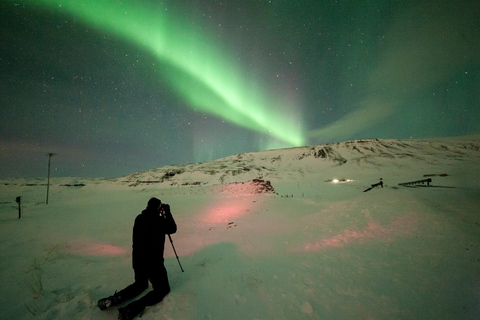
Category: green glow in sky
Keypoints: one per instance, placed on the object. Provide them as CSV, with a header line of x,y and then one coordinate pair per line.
x,y
194,65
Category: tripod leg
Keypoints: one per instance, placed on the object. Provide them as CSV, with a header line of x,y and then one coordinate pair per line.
x,y
175,251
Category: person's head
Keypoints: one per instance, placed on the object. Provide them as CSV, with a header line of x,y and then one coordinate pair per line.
x,y
154,203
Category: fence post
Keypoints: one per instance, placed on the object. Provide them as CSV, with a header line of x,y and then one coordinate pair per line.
x,y
19,201
48,179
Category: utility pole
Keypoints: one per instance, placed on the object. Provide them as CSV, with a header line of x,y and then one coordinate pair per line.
x,y
48,179
19,201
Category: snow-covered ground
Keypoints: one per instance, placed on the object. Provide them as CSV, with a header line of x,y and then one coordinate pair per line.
x,y
317,248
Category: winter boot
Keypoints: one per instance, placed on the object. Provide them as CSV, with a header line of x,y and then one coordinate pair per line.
x,y
130,311
109,301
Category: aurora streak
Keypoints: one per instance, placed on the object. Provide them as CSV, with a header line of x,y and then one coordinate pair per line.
x,y
193,65
115,87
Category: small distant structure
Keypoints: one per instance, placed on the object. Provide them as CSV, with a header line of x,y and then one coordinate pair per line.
x,y
412,183
375,185
19,201
50,154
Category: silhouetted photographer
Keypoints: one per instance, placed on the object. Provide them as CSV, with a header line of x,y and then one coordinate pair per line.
x,y
149,232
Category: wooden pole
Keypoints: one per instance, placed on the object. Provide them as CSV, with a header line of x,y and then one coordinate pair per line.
x,y
19,201
48,178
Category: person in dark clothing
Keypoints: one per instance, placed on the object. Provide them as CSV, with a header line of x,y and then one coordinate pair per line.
x,y
149,232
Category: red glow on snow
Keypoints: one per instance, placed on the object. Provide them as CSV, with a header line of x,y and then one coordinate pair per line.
x,y
89,248
226,211
216,222
403,225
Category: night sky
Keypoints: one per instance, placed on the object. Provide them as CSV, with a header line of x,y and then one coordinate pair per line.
x,y
116,87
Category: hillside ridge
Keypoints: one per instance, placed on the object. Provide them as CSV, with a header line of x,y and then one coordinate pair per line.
x,y
302,160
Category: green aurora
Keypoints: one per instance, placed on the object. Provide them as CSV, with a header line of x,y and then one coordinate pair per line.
x,y
197,68
118,86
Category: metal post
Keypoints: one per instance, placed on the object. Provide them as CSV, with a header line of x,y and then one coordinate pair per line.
x,y
48,178
19,201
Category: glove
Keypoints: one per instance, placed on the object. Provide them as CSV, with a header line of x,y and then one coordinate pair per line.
x,y
166,207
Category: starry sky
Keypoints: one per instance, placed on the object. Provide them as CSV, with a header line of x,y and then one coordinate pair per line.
x,y
116,87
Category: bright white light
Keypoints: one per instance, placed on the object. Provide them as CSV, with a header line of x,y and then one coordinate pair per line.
x,y
341,180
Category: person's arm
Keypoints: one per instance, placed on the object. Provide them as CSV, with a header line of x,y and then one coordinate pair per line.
x,y
170,225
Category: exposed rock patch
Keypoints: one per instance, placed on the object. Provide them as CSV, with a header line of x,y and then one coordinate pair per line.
x,y
255,186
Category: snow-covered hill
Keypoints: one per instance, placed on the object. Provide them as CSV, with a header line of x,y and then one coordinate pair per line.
x,y
358,158
362,157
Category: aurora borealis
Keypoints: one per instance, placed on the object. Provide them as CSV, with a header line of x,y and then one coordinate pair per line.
x,y
115,87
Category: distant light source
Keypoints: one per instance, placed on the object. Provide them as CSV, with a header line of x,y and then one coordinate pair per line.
x,y
339,181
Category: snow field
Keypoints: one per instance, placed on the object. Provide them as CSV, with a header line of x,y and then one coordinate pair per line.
x,y
315,250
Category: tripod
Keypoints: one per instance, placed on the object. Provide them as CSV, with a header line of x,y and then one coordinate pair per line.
x,y
162,212
176,255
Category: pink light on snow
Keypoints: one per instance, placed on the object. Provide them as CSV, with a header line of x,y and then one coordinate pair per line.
x,y
401,226
226,210
215,222
90,248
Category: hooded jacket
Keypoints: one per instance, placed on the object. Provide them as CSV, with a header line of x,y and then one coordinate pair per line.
x,y
149,233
